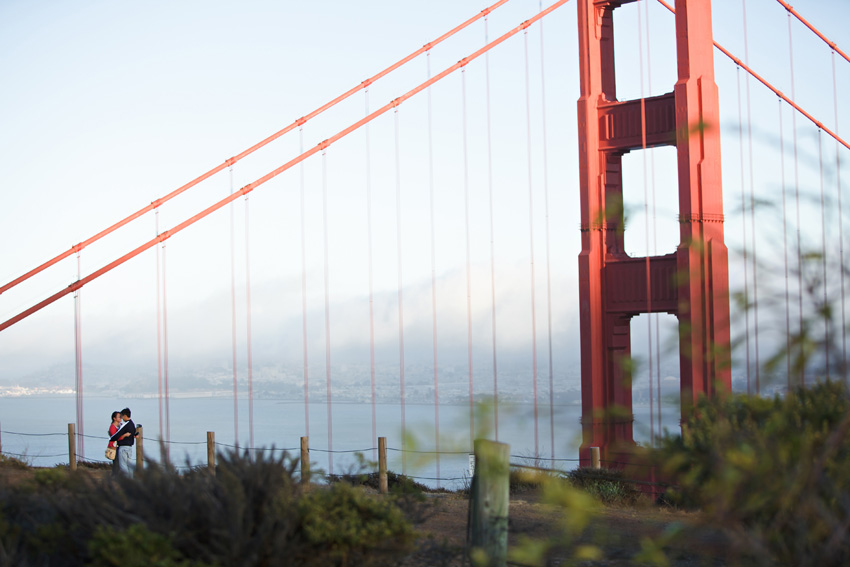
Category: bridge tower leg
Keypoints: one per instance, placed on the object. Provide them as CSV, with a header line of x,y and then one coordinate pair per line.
x,y
691,283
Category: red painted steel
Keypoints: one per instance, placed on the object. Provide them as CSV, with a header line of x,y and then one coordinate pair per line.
x,y
614,287
229,162
776,91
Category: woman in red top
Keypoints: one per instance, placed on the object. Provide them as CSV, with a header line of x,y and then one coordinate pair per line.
x,y
113,429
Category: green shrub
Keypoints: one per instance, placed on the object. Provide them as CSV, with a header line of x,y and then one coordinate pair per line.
x,y
347,527
50,477
252,512
773,473
12,462
606,485
109,548
396,483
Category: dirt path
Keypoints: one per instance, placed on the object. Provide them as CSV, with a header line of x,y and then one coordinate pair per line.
x,y
618,532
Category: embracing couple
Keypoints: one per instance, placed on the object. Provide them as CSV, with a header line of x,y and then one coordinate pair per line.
x,y
122,432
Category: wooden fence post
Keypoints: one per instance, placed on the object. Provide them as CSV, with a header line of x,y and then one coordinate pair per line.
x,y
140,451
490,498
72,446
305,461
594,458
382,465
211,451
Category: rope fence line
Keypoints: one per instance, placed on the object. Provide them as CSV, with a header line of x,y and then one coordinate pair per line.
x,y
24,455
381,468
627,464
31,434
550,459
428,452
540,469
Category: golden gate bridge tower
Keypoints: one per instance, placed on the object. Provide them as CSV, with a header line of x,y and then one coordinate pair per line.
x,y
691,283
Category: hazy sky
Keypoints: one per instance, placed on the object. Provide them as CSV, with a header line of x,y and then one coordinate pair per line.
x,y
107,106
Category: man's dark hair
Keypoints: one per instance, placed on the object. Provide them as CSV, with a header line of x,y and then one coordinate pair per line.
x,y
125,411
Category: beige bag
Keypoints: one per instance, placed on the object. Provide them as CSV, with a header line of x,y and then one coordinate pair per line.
x,y
110,453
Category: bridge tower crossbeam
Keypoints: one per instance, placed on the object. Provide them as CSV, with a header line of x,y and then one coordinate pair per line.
x,y
691,283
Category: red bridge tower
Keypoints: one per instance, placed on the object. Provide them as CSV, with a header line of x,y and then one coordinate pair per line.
x,y
691,283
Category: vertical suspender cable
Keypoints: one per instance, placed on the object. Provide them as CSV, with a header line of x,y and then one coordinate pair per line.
x,y
400,288
797,197
233,314
468,262
752,208
167,435
159,338
744,229
433,274
531,244
785,248
826,315
654,242
304,292
248,327
548,264
78,362
492,240
327,309
371,290
840,223
646,230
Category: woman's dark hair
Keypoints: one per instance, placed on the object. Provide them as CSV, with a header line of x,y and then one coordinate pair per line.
x,y
114,414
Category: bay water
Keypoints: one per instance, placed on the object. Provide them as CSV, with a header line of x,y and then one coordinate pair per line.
x,y
35,429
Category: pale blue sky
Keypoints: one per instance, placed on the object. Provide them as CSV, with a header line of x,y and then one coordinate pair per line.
x,y
109,105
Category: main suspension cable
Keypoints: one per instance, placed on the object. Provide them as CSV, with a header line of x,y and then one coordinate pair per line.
x,y
831,44
229,162
776,91
277,171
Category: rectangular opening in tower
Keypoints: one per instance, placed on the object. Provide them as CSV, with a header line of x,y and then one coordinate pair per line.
x,y
655,379
635,58
651,201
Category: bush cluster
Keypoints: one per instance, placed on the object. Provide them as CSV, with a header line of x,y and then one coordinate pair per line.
x,y
606,485
773,473
252,512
